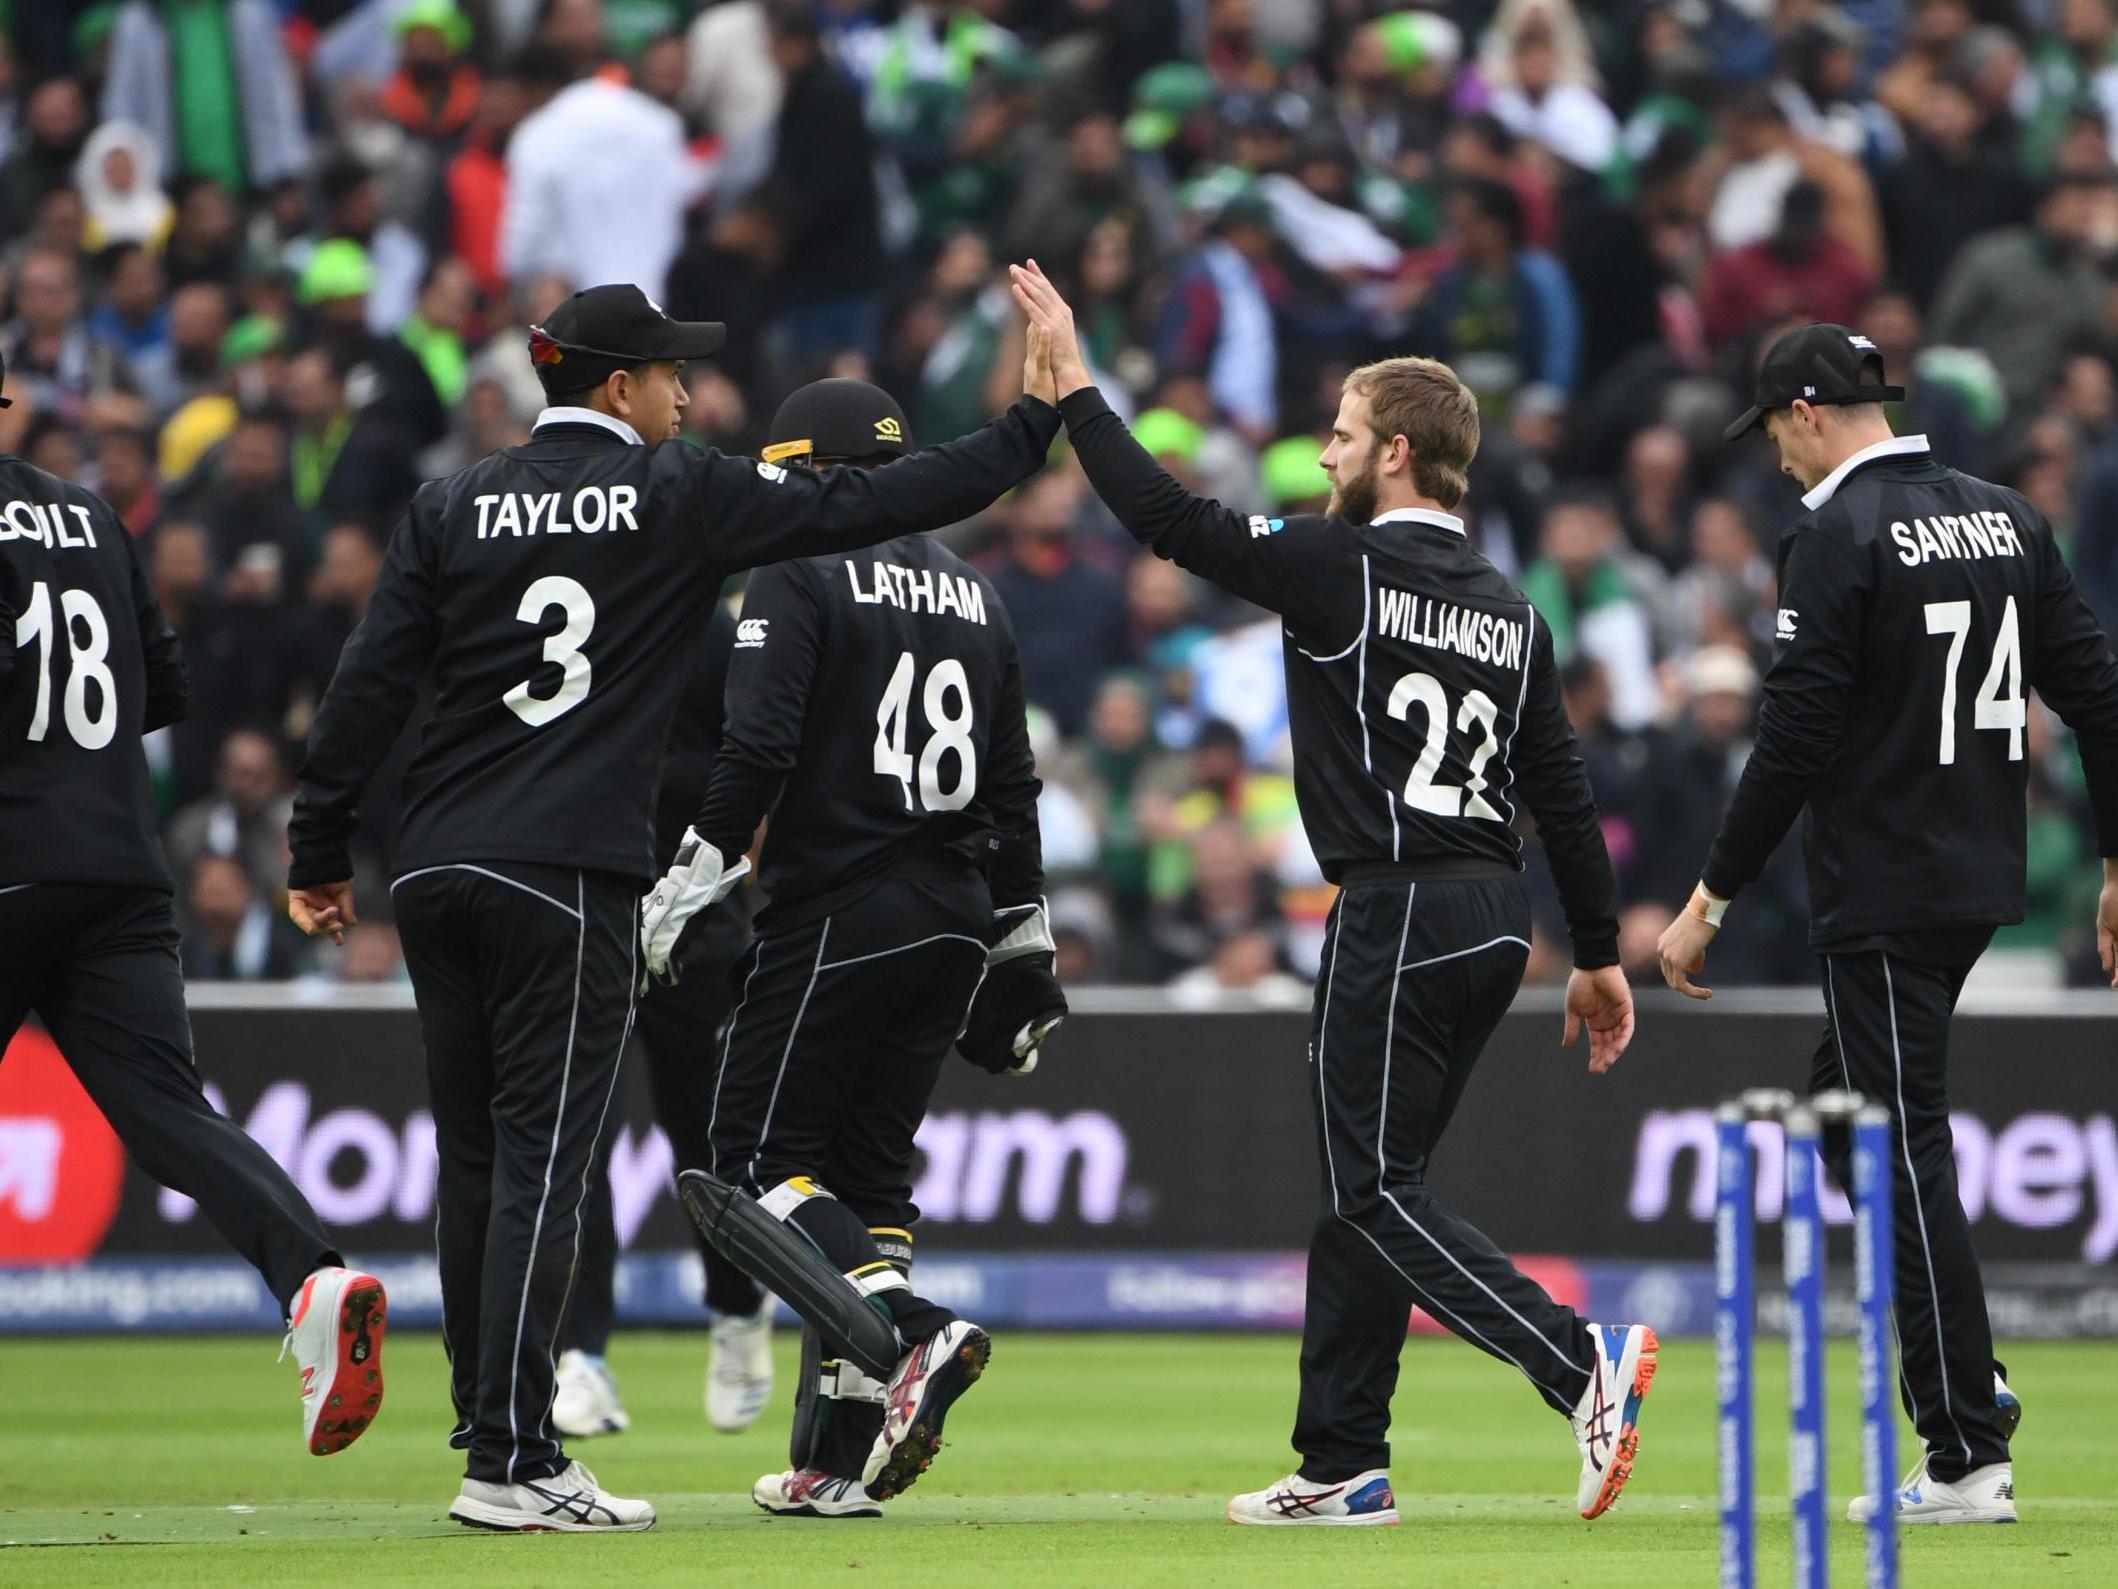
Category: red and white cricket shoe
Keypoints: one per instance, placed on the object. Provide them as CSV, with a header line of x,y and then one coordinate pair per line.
x,y
1607,1419
336,1338
808,1492
927,1382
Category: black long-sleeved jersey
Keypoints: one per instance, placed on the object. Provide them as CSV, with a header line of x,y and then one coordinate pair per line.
x,y
875,710
87,665
1421,690
695,733
1918,607
548,586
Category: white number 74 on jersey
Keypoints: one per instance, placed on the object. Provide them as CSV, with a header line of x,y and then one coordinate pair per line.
x,y
1990,708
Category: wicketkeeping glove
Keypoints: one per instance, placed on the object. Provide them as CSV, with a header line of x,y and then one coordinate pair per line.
x,y
1020,1002
696,881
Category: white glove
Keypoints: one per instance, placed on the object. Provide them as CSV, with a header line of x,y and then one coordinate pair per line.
x,y
696,880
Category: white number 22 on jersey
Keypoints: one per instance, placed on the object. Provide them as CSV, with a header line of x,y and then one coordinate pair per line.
x,y
1422,793
948,729
1999,702
564,648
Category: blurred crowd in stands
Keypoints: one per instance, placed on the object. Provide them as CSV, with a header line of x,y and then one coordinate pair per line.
x,y
266,264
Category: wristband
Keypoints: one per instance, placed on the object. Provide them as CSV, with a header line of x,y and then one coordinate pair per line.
x,y
1707,906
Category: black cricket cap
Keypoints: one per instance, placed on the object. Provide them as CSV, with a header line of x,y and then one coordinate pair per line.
x,y
1822,364
838,418
604,329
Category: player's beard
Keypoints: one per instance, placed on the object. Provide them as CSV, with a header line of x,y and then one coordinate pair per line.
x,y
1353,498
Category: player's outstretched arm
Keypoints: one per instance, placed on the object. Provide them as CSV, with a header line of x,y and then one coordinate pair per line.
x,y
759,513
362,713
1283,566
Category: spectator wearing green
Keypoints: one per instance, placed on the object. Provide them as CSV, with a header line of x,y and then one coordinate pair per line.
x,y
212,83
254,337
338,269
1591,608
921,81
2075,68
1172,439
1293,475
1123,774
381,372
434,330
1165,103
952,400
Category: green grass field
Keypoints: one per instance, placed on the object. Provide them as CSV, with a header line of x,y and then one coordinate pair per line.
x,y
1079,1459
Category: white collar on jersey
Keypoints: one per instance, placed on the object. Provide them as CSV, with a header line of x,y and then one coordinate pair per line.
x,y
588,416
1441,521
1895,447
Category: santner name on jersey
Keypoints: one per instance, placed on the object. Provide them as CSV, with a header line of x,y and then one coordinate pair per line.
x,y
1987,533
931,590
1444,626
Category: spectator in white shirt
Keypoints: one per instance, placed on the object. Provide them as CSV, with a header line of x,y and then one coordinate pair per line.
x,y
598,181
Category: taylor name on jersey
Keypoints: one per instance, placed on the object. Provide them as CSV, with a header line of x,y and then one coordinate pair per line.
x,y
589,510
928,590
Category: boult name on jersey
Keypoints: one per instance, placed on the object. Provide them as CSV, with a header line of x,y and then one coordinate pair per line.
x,y
588,511
1987,533
1444,626
916,590
45,522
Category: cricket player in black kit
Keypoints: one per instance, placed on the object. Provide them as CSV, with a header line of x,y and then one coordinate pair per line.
x,y
1424,706
875,711
88,935
1917,606
550,588
677,1029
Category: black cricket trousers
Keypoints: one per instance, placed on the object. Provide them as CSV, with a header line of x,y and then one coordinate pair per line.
x,y
1416,976
1886,1036
524,978
98,965
832,1052
678,1032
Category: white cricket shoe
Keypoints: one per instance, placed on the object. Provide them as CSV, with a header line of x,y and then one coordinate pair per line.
x,y
928,1380
1607,1419
804,1492
336,1337
569,1502
586,1403
739,1369
1984,1495
1364,1501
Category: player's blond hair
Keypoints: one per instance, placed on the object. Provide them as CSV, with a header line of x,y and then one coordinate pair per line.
x,y
1425,402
